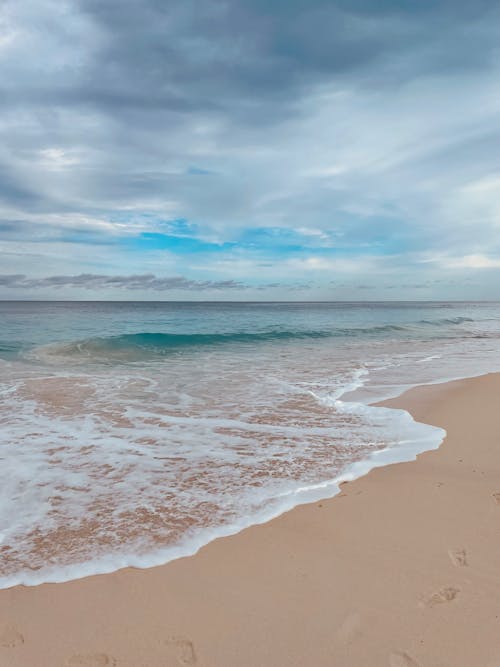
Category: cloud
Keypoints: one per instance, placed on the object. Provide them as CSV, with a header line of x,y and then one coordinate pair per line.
x,y
469,262
312,134
90,281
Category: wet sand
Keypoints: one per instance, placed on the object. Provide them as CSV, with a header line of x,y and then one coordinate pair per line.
x,y
402,569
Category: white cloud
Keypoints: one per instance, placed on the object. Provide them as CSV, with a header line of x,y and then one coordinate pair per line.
x,y
57,158
472,262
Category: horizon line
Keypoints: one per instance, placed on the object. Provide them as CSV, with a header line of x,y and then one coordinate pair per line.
x,y
222,301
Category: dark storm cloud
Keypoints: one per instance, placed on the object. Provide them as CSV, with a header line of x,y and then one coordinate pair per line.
x,y
90,281
239,57
251,59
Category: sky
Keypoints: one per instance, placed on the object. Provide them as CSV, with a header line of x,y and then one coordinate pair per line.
x,y
249,149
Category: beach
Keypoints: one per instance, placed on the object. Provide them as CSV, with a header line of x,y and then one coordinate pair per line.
x,y
401,569
249,334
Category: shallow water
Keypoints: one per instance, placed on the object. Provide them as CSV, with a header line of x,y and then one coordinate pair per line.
x,y
132,433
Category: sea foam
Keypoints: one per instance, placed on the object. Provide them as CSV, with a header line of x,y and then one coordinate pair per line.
x,y
123,447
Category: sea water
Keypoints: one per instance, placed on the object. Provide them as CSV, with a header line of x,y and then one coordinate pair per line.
x,y
134,433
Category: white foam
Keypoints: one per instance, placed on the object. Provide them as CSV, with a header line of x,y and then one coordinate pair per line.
x,y
415,438
244,437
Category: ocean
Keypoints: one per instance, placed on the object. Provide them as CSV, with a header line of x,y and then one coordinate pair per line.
x,y
133,433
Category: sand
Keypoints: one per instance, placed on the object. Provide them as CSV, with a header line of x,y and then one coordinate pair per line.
x,y
402,569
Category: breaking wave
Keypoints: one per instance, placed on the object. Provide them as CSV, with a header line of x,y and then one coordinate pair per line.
x,y
139,346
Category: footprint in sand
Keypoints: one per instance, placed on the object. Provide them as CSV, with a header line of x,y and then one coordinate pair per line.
x,y
349,628
458,557
91,660
10,637
496,497
402,660
182,650
446,594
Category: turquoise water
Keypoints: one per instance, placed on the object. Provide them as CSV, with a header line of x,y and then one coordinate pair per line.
x,y
24,325
133,433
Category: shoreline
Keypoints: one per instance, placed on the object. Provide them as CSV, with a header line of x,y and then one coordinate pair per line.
x,y
422,437
344,580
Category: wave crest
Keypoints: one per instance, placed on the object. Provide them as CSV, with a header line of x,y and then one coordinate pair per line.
x,y
132,347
